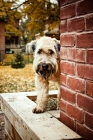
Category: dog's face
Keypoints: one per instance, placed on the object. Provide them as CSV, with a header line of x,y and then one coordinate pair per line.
x,y
46,55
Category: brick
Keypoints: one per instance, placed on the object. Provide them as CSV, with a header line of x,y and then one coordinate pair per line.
x,y
89,22
2,41
70,54
2,36
84,132
76,24
76,84
68,94
63,2
67,40
85,7
75,54
89,88
67,67
89,120
63,53
85,71
67,12
85,40
67,120
85,102
70,1
63,105
89,57
63,79
76,113
63,26
79,55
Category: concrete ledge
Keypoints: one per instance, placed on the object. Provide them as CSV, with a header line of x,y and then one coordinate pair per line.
x,y
22,124
2,126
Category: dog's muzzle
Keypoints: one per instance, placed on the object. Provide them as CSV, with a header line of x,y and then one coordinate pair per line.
x,y
45,69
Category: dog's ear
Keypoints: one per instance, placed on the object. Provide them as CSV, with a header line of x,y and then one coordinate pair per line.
x,y
58,44
33,45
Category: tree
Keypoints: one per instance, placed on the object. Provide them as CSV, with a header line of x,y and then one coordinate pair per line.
x,y
24,31
38,14
11,15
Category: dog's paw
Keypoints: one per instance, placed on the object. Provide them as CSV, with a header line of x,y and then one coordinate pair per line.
x,y
36,110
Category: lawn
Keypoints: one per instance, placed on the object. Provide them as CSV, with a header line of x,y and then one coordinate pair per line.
x,y
19,80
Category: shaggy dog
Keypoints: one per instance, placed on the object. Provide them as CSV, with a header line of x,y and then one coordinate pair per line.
x,y
46,66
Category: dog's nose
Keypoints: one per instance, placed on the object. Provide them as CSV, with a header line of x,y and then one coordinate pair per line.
x,y
45,66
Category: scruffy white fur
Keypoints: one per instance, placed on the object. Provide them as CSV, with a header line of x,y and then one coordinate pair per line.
x,y
29,47
46,66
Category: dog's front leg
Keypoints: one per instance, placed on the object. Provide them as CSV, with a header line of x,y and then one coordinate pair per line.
x,y
42,88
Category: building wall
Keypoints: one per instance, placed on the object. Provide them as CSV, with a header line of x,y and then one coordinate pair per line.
x,y
2,41
76,64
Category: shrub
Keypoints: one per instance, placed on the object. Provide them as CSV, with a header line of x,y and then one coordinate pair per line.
x,y
18,62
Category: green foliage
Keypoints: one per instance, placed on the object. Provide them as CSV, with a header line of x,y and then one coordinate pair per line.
x,y
18,62
37,14
11,16
52,104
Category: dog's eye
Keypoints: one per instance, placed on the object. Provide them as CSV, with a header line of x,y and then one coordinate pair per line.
x,y
40,51
51,52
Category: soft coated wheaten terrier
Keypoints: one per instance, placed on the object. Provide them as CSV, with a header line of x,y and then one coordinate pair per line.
x,y
46,66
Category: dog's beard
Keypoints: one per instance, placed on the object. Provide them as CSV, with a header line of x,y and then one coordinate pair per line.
x,y
45,70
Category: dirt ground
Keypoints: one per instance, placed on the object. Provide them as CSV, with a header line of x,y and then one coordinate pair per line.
x,y
19,80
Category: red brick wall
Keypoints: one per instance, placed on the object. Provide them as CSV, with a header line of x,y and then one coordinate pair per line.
x,y
2,41
76,64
